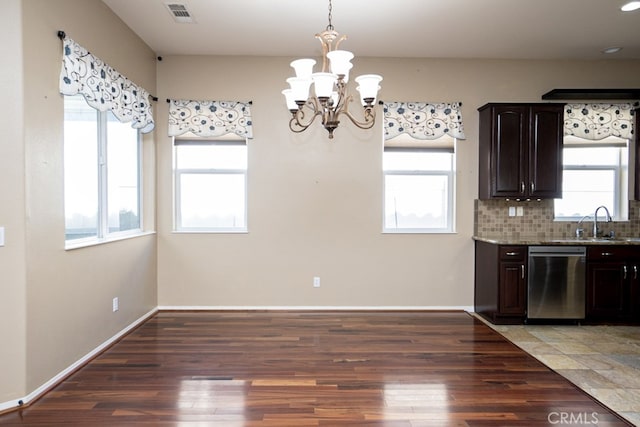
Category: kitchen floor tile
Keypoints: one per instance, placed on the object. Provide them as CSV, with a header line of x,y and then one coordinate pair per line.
x,y
604,361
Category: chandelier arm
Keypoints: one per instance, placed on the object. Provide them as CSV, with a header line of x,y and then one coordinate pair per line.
x,y
369,118
297,123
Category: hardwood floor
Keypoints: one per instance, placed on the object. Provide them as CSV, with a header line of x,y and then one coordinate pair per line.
x,y
314,369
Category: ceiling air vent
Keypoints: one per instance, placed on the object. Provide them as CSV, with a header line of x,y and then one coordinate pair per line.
x,y
180,13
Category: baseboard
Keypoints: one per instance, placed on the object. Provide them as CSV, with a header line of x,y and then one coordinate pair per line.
x,y
312,308
13,404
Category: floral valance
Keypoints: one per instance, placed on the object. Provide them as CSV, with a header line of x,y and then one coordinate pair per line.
x,y
103,87
598,121
210,118
422,120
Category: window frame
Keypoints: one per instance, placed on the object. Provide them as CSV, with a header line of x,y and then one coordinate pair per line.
x,y
450,176
177,179
619,210
103,235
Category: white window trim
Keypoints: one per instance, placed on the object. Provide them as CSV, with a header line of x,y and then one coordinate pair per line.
x,y
177,216
103,234
621,211
451,195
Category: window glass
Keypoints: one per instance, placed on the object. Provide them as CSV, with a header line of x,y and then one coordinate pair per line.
x,y
418,190
80,169
210,188
123,176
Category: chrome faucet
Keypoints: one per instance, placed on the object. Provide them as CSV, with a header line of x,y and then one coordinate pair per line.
x,y
596,230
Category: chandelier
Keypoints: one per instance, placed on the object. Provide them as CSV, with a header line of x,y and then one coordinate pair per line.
x,y
330,98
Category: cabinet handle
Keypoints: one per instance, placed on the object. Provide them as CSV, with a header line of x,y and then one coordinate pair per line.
x,y
522,270
533,186
512,253
624,269
635,272
522,187
607,254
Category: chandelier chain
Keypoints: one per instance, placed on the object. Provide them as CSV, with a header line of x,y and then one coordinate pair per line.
x,y
330,26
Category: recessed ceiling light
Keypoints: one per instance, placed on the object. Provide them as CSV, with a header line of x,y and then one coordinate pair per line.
x,y
610,50
630,6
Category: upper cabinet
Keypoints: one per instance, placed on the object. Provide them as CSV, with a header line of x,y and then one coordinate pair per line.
x,y
521,151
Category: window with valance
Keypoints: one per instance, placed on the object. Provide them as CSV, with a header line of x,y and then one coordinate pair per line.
x,y
210,157
104,88
419,166
596,167
210,119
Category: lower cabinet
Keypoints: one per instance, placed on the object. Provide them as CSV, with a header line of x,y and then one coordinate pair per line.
x,y
500,282
613,284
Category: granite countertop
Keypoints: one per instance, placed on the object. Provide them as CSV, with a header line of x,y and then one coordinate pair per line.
x,y
566,241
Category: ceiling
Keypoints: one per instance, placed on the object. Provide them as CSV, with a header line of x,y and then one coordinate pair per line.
x,y
532,29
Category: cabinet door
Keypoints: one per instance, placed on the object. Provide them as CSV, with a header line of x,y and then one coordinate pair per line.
x,y
634,289
636,144
512,288
509,151
607,290
545,151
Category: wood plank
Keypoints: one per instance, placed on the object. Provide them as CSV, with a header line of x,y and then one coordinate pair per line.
x,y
290,368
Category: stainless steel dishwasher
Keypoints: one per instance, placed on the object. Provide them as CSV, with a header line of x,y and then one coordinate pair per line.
x,y
556,282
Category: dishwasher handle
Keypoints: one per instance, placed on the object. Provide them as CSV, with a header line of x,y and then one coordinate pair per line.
x,y
557,251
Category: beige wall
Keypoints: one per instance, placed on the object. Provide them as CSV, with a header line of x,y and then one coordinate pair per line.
x,y
12,207
315,204
69,293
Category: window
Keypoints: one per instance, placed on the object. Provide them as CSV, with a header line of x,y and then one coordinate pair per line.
x,y
594,174
418,190
210,185
101,174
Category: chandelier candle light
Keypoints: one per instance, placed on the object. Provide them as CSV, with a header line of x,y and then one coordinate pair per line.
x,y
331,98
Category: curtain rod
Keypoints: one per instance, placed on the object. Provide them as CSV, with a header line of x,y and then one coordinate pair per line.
x,y
248,102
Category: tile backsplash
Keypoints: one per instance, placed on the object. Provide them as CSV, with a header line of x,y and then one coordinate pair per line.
x,y
491,219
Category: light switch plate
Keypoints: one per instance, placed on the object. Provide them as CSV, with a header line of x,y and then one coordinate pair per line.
x,y
1,236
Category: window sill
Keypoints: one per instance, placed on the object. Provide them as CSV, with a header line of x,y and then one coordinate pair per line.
x,y
242,231
69,246
417,231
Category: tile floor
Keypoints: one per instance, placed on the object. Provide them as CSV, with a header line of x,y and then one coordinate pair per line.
x,y
604,361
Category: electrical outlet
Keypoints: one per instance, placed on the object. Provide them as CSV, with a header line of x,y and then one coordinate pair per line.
x,y
316,282
512,211
519,211
1,236
115,304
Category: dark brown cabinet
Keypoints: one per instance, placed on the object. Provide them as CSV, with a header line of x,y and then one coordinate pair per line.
x,y
613,284
521,151
636,144
500,282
